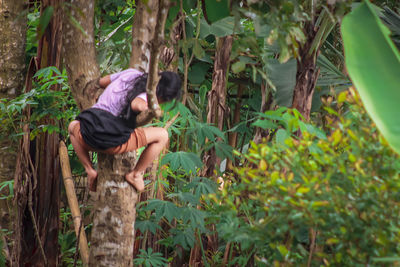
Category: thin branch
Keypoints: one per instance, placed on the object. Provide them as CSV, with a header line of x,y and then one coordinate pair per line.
x,y
35,227
158,39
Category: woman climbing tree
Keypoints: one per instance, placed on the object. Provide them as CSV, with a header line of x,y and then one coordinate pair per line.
x,y
109,126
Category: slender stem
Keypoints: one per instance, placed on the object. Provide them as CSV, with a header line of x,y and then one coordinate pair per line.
x,y
35,227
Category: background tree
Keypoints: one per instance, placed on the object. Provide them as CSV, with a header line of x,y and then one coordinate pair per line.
x,y
37,175
12,70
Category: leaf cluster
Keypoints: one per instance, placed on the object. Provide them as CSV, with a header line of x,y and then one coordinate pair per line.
x,y
180,216
338,187
48,106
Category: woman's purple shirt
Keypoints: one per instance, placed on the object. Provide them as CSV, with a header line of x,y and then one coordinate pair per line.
x,y
113,99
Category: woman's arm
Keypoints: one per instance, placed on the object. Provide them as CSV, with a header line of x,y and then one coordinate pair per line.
x,y
105,81
138,104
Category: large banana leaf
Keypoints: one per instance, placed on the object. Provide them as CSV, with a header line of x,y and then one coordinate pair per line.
x,y
373,63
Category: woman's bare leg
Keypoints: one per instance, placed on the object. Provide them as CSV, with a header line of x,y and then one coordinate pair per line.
x,y
83,156
157,138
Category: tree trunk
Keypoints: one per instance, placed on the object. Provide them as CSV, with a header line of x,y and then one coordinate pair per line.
x,y
12,49
12,68
266,103
306,76
114,211
216,115
45,191
216,97
79,53
236,119
144,24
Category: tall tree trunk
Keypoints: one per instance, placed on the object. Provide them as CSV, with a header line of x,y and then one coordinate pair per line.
x,y
114,211
216,97
143,27
12,48
12,68
216,109
307,74
40,218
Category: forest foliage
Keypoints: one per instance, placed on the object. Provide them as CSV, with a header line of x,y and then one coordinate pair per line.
x,y
317,192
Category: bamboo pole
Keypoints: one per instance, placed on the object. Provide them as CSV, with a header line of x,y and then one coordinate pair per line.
x,y
73,202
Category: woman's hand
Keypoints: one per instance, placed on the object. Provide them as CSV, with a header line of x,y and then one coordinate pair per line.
x,y
105,81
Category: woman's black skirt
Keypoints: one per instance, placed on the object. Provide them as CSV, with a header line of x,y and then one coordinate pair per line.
x,y
102,130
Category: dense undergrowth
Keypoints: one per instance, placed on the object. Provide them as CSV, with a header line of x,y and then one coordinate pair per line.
x,y
329,197
311,194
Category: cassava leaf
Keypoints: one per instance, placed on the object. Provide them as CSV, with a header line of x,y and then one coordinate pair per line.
x,y
162,208
185,160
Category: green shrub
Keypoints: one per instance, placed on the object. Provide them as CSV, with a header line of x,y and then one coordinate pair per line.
x,y
331,201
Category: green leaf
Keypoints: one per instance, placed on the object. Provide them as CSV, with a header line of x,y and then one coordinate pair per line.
x,y
185,160
185,197
205,130
185,238
265,124
373,63
188,5
223,150
386,259
146,225
221,28
198,50
330,77
193,216
215,10
238,66
202,186
225,27
283,250
281,136
283,77
163,209
198,71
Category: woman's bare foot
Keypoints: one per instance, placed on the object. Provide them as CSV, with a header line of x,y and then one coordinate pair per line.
x,y
92,180
135,179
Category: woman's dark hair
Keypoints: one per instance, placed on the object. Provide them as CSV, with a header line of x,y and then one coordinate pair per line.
x,y
168,88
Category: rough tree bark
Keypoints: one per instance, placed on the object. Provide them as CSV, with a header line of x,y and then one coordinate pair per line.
x,y
216,107
12,47
12,68
79,52
38,220
307,73
144,24
114,210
